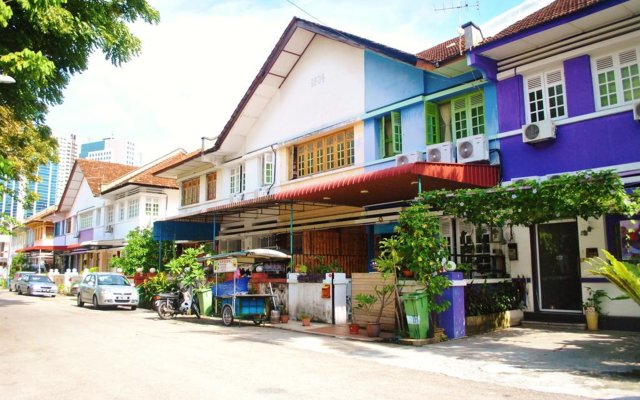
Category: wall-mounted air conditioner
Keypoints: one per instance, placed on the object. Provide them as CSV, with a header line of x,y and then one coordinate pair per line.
x,y
237,197
636,110
108,228
472,149
538,131
409,158
441,152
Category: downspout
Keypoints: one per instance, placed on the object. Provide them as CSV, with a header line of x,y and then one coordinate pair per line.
x,y
215,222
275,162
291,236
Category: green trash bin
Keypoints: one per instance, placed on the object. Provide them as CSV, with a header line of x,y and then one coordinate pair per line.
x,y
415,307
204,300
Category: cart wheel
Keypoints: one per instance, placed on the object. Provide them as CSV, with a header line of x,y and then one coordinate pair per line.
x,y
227,315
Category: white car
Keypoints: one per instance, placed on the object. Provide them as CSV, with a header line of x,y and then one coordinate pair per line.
x,y
106,289
33,284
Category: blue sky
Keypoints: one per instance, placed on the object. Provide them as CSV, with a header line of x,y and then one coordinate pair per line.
x,y
199,61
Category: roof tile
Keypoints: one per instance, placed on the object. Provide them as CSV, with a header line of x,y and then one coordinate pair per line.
x,y
98,173
444,51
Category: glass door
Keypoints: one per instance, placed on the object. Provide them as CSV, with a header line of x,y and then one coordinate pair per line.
x,y
559,286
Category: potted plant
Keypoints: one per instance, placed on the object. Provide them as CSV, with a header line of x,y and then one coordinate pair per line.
x,y
284,314
305,317
592,307
366,303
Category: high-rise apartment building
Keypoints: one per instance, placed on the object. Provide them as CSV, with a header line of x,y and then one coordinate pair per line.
x,y
67,154
119,151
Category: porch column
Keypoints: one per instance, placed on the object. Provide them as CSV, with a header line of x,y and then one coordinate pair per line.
x,y
291,236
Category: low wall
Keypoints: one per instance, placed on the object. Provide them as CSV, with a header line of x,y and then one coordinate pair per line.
x,y
491,322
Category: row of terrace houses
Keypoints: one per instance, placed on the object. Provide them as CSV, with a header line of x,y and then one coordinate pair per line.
x,y
101,203
337,133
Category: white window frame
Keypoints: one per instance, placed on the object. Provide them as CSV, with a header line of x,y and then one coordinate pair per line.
x,y
152,206
133,208
110,215
267,169
122,211
85,221
614,63
237,179
544,83
466,113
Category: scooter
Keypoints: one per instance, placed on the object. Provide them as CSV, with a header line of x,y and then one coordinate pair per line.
x,y
169,305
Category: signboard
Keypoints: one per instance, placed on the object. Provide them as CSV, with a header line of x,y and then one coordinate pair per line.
x,y
225,265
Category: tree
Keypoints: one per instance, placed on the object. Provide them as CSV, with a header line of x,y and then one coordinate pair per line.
x,y
141,251
42,44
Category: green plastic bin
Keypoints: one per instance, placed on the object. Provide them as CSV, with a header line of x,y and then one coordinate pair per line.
x,y
204,301
415,307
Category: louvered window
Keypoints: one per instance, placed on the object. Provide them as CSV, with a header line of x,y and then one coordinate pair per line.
x,y
545,96
617,78
467,115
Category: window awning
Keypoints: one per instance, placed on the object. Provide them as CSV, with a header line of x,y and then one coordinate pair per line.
x,y
394,184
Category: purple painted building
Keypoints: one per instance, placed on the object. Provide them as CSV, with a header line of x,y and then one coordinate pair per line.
x,y
568,98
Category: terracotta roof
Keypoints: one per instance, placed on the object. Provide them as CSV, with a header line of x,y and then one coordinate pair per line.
x,y
98,173
444,51
147,177
553,11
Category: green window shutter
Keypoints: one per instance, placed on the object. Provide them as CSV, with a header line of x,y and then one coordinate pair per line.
x,y
383,142
432,122
396,132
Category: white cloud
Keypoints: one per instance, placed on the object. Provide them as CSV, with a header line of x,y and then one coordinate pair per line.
x,y
199,61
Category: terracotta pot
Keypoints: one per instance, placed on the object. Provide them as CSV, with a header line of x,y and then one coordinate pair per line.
x,y
306,321
592,320
373,329
284,319
354,329
407,273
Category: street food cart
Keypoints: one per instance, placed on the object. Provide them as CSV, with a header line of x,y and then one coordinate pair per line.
x,y
232,300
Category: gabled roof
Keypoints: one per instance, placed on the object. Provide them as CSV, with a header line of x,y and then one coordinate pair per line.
x,y
42,215
444,51
145,175
96,173
284,56
553,11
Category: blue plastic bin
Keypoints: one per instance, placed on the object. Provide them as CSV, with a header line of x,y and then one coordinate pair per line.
x,y
226,288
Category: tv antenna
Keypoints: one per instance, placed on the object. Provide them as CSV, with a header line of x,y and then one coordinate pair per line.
x,y
460,6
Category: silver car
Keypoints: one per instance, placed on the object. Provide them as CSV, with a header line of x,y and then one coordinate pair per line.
x,y
33,284
105,289
16,279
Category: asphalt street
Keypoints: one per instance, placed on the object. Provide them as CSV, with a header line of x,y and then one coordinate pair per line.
x,y
52,349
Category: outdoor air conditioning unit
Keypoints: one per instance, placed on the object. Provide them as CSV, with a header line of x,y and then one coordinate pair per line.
x,y
409,158
636,110
108,229
538,131
237,197
441,152
472,149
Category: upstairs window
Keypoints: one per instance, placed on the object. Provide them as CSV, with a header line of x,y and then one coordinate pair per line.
x,y
152,206
237,180
324,154
212,181
190,191
134,208
617,78
390,134
109,215
467,115
267,169
85,221
545,96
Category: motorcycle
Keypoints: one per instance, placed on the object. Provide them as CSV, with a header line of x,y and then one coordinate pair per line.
x,y
169,305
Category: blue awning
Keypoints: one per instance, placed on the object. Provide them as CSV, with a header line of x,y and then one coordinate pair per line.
x,y
191,231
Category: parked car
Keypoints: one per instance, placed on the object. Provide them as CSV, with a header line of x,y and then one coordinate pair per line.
x,y
75,282
33,284
16,278
105,289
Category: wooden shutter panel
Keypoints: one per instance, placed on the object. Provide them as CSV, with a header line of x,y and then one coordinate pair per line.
x,y
396,131
432,122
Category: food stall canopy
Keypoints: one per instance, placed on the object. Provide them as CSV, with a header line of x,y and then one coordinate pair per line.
x,y
250,256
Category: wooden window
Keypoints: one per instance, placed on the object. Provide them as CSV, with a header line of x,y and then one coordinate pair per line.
x,y
391,134
212,180
324,154
190,191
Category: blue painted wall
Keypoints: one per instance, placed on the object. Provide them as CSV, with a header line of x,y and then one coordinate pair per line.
x,y
579,86
435,83
510,94
595,143
388,81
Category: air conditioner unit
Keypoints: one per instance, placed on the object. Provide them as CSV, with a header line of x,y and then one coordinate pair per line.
x,y
441,152
472,149
409,158
237,197
538,131
108,228
636,110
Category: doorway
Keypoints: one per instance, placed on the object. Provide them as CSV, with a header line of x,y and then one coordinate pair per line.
x,y
559,287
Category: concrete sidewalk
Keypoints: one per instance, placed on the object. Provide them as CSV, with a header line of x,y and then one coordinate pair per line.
x,y
603,364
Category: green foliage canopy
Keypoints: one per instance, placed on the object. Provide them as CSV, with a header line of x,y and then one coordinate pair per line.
x,y
586,194
141,251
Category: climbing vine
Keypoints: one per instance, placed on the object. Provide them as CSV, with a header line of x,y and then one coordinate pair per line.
x,y
585,194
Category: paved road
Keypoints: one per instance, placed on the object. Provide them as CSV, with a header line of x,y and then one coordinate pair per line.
x,y
81,353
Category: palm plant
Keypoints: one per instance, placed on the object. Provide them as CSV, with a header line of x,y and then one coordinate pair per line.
x,y
625,276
